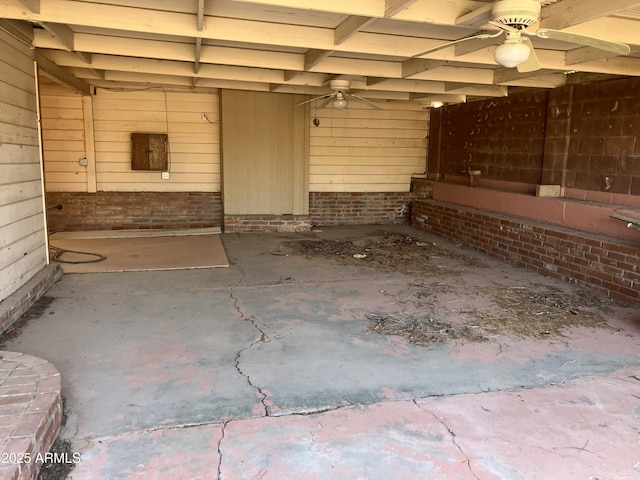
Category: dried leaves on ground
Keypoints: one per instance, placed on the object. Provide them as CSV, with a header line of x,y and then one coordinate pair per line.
x,y
535,311
61,464
532,310
35,311
388,251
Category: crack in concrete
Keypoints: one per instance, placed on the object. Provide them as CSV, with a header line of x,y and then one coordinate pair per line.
x,y
219,449
453,439
310,412
262,339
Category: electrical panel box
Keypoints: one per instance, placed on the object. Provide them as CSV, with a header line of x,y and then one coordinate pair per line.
x,y
150,151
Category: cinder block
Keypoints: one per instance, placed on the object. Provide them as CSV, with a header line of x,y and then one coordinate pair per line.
x,y
548,191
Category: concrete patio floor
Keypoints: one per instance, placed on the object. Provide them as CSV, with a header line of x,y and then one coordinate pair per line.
x,y
268,370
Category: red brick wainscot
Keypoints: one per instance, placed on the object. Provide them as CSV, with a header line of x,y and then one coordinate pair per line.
x,y
360,208
597,262
266,223
133,210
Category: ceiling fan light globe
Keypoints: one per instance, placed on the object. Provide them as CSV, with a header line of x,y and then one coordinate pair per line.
x,y
511,55
340,104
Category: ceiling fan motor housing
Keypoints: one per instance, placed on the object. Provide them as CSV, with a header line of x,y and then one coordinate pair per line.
x,y
339,85
516,13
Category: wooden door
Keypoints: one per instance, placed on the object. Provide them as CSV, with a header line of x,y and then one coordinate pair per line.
x,y
264,160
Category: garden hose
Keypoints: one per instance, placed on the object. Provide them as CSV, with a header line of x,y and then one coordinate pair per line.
x,y
59,252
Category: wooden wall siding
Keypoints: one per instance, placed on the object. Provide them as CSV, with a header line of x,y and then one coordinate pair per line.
x,y
62,138
194,143
22,239
365,150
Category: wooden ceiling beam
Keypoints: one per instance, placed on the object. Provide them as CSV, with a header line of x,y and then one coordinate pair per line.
x,y
477,44
476,18
393,7
567,13
585,54
477,90
61,76
442,12
371,81
197,53
502,75
158,22
21,31
439,97
60,32
200,16
418,65
314,57
32,5
352,25
66,37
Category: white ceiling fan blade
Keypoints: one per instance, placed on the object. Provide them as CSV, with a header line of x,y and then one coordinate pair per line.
x,y
480,36
363,100
599,43
504,26
316,98
326,101
531,64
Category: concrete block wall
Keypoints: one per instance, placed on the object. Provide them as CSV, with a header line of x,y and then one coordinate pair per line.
x,y
584,137
593,132
133,210
359,208
599,263
503,138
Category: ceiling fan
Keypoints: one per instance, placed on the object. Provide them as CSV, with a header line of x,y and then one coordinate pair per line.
x,y
513,17
340,96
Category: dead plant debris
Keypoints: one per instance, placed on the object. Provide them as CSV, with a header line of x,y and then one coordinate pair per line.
x,y
472,313
537,311
541,310
62,462
388,251
422,331
35,311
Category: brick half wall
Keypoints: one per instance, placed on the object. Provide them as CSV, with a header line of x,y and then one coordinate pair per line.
x,y
266,223
355,208
599,263
133,210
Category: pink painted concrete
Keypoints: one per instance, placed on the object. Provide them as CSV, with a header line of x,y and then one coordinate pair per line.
x,y
584,216
382,441
180,454
584,429
268,370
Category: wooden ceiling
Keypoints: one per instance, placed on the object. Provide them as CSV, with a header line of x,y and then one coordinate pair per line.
x,y
296,46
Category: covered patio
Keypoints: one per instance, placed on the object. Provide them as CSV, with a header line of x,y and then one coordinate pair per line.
x,y
313,356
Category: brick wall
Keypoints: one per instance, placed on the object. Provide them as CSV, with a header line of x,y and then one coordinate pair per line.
x,y
133,210
356,208
31,393
584,137
16,304
266,223
603,264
